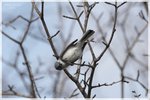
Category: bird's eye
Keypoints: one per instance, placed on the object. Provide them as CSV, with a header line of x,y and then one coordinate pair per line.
x,y
60,64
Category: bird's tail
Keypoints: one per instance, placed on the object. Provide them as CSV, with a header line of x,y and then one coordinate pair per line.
x,y
86,35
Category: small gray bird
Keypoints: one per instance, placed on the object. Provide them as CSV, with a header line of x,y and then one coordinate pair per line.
x,y
73,51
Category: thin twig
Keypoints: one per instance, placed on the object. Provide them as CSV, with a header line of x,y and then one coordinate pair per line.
x,y
110,84
10,37
77,16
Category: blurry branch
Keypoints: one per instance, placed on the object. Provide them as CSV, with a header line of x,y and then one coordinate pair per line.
x,y
40,37
33,85
15,19
21,17
123,23
14,93
69,32
34,89
56,81
137,80
146,6
139,62
135,41
41,15
129,52
14,65
74,94
61,21
135,94
142,16
57,90
37,38
87,9
61,90
129,47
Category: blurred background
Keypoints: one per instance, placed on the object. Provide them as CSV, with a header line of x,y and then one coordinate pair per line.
x,y
127,56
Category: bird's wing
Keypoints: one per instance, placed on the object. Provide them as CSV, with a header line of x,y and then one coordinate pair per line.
x,y
70,45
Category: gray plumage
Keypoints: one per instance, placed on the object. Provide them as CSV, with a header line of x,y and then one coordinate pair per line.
x,y
73,51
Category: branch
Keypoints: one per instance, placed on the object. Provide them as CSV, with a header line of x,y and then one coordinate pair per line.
x,y
110,84
100,56
78,20
69,17
121,4
14,93
112,34
10,37
54,35
29,70
77,83
83,64
142,16
73,94
41,15
137,80
33,85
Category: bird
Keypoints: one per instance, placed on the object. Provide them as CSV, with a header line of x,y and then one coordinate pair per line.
x,y
73,51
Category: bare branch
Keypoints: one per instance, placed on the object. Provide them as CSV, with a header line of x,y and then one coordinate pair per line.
x,y
137,80
73,94
142,16
41,15
69,17
10,37
110,4
77,83
54,35
106,84
14,93
76,16
121,4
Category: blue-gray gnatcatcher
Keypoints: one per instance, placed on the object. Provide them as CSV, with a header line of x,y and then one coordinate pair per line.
x,y
73,51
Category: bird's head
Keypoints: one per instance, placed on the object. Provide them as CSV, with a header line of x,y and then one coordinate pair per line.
x,y
59,65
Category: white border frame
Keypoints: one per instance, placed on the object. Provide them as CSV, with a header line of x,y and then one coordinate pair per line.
x,y
75,1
